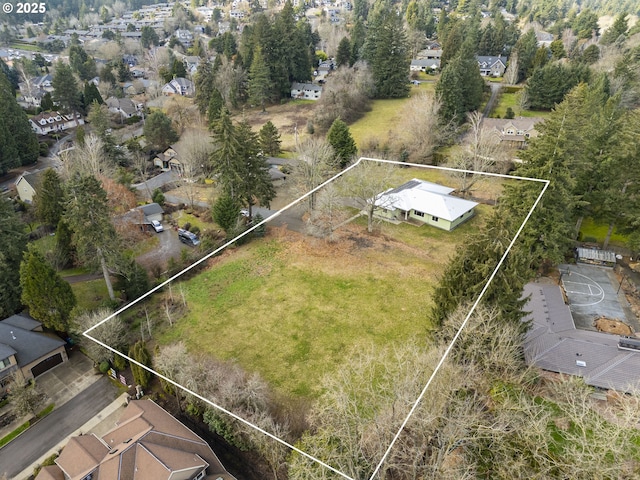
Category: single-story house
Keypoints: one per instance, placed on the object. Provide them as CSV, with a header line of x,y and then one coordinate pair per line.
x,y
140,217
27,185
147,443
419,201
25,349
179,86
424,65
492,66
307,91
429,54
515,131
151,211
47,122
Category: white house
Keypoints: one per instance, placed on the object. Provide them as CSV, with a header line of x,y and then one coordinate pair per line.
x,y
48,122
422,202
424,65
307,91
179,86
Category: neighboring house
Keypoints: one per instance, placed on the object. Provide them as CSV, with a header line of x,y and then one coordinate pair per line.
x,y
516,131
25,349
418,201
307,91
191,63
179,86
429,54
138,72
141,217
47,122
130,60
492,66
592,256
147,443
168,160
237,14
45,82
123,106
185,37
424,65
27,185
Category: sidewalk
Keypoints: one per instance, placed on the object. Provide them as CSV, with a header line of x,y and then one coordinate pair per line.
x,y
100,424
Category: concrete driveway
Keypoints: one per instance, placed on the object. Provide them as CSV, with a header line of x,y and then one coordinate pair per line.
x,y
170,247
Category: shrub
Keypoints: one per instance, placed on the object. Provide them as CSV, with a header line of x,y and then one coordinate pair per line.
x,y
158,196
509,113
187,226
104,367
119,362
195,229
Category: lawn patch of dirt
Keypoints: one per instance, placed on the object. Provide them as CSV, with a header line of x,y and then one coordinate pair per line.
x,y
608,325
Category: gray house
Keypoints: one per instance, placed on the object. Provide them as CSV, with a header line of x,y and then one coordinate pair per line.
x,y
492,66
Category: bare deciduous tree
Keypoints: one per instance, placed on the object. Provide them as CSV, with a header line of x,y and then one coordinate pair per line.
x,y
365,185
483,152
329,213
112,333
89,159
228,80
420,129
315,165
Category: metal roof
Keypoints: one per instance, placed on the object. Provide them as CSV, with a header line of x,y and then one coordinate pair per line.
x,y
596,255
553,343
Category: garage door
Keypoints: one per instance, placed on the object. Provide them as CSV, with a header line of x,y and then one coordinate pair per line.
x,y
45,365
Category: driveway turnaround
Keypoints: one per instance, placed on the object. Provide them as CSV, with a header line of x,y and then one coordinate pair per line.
x,y
37,440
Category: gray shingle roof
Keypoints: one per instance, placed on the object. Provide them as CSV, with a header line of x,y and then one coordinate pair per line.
x,y
151,209
553,343
23,321
29,346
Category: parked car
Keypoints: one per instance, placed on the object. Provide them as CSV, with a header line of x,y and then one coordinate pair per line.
x,y
244,212
188,237
157,226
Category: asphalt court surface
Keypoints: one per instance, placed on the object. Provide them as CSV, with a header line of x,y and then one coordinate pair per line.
x,y
593,292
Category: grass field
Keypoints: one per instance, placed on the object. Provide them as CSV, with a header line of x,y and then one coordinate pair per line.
x,y
379,123
509,100
592,230
91,294
292,308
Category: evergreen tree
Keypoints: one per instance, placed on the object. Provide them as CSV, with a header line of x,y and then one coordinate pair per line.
x,y
81,63
133,280
65,89
216,104
47,102
38,277
526,48
548,85
18,143
158,130
13,241
49,199
203,84
64,251
254,183
460,87
618,29
88,216
178,69
339,137
225,155
259,81
225,212
149,37
269,139
387,52
343,56
358,37
140,354
91,94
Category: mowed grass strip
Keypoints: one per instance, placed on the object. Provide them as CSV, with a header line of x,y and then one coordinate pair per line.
x,y
293,310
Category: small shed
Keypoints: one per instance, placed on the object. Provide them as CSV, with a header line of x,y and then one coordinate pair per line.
x,y
592,256
152,211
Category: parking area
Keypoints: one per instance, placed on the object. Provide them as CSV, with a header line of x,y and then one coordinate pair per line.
x,y
592,293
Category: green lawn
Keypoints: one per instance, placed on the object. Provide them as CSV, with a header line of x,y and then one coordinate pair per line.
x,y
293,309
380,122
592,230
90,295
509,100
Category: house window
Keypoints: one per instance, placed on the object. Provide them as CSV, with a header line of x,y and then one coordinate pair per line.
x,y
435,219
418,214
5,363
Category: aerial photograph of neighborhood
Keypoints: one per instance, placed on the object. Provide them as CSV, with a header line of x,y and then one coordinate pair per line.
x,y
319,239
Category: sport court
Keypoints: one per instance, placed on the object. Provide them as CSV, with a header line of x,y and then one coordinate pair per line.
x,y
593,292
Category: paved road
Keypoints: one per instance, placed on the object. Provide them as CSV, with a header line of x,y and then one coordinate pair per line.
x,y
32,444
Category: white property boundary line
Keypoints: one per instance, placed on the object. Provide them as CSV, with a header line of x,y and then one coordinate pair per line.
x,y
278,213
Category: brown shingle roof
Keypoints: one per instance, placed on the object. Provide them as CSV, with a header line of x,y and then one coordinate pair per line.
x,y
81,456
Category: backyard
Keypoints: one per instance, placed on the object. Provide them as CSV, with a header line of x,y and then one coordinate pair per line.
x,y
292,307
